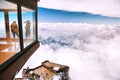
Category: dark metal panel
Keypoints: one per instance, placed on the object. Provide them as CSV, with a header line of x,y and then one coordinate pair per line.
x,y
36,15
20,27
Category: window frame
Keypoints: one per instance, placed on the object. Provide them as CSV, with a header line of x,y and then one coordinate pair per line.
x,y
18,60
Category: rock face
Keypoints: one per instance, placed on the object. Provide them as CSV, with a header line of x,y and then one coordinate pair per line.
x,y
47,71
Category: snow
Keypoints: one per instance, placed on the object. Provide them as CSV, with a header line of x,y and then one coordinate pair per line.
x,y
91,51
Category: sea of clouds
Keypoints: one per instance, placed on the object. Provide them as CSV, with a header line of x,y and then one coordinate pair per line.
x,y
91,51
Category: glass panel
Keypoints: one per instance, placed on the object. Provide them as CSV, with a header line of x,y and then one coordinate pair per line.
x,y
2,25
9,35
28,22
13,19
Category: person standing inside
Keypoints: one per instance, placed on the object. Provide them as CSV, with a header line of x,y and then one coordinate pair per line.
x,y
14,29
27,28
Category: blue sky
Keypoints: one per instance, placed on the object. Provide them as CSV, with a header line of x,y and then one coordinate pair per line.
x,y
62,16
102,7
80,11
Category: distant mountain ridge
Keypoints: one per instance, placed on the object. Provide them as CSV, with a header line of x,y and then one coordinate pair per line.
x,y
52,15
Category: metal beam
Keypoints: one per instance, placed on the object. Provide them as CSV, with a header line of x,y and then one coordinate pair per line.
x,y
7,25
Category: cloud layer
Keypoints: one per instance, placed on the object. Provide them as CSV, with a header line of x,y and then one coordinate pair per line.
x,y
91,51
103,7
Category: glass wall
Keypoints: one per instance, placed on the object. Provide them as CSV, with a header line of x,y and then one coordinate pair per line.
x,y
28,26
11,40
9,31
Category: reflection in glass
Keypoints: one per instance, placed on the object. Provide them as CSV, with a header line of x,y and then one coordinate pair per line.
x,y
27,29
28,18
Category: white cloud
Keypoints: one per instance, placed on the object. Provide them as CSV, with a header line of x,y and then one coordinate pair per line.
x,y
91,51
103,7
